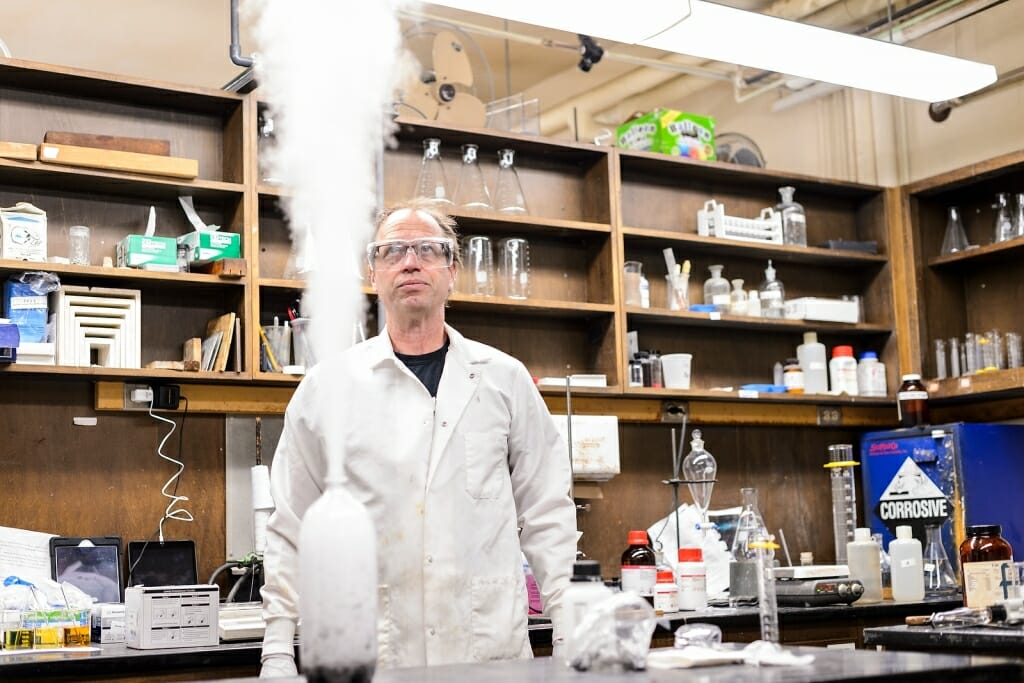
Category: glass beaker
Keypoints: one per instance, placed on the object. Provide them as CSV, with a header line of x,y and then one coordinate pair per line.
x,y
479,271
1018,215
431,184
471,192
1013,350
514,268
633,273
940,359
955,238
1004,228
939,579
508,192
78,245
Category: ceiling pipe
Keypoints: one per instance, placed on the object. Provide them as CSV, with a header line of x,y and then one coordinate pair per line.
x,y
940,111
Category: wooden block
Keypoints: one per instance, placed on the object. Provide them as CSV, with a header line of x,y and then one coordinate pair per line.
x,y
193,351
232,268
166,365
18,150
114,142
152,164
191,365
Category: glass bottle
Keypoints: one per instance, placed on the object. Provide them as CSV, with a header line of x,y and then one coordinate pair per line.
x,y
743,567
639,566
471,192
794,220
939,579
1018,216
508,192
773,295
912,402
431,184
738,298
1004,229
699,470
716,289
955,238
982,555
343,618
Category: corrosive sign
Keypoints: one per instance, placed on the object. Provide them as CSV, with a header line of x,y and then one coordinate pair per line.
x,y
912,498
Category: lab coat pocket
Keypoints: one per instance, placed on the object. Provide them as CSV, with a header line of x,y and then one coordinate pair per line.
x,y
486,464
386,655
497,619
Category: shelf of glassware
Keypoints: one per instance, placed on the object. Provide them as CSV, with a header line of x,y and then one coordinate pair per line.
x,y
990,384
1009,250
733,394
720,320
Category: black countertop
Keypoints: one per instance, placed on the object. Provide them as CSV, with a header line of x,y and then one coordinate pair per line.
x,y
828,665
988,639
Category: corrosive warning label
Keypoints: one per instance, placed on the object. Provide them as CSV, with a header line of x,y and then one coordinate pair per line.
x,y
912,498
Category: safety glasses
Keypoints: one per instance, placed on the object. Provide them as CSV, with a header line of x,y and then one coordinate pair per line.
x,y
431,252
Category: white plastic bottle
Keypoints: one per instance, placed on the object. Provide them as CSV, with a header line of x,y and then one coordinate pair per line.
x,y
691,575
907,566
842,371
871,375
584,590
865,560
811,355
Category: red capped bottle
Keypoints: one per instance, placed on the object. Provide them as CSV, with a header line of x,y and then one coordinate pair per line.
x,y
639,566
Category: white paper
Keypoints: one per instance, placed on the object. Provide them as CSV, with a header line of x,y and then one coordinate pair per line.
x,y
24,553
193,217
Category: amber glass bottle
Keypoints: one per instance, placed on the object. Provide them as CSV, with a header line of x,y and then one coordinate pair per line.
x,y
639,566
983,555
912,402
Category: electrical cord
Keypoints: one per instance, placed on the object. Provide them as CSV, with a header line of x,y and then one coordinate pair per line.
x,y
171,512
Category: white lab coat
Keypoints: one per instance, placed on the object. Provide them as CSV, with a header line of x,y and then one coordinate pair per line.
x,y
447,482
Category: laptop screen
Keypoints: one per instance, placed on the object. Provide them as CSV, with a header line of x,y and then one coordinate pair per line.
x,y
171,563
92,565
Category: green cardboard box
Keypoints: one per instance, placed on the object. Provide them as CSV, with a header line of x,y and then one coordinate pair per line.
x,y
144,251
685,135
638,133
206,246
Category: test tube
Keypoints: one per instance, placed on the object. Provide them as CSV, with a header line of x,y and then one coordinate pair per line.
x,y
954,357
940,359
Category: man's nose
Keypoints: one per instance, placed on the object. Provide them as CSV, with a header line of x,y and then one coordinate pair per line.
x,y
410,261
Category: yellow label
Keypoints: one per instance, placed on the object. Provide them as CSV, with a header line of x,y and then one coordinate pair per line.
x,y
983,583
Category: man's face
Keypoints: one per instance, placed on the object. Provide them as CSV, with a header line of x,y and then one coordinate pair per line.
x,y
414,284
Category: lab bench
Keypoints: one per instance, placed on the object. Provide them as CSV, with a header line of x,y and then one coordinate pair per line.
x,y
113,662
988,640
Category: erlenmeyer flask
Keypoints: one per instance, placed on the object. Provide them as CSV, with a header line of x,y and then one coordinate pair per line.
x,y
699,470
508,192
955,239
743,568
939,579
1004,224
471,192
431,184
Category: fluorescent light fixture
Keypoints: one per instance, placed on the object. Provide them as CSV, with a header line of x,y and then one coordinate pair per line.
x,y
725,34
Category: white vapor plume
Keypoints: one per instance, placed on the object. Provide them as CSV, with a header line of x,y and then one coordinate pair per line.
x,y
327,70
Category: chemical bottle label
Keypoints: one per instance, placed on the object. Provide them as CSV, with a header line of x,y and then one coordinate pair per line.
x,y
912,396
639,580
983,583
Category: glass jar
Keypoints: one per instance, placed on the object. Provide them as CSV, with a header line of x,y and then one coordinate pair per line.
x,y
716,289
912,402
982,556
793,376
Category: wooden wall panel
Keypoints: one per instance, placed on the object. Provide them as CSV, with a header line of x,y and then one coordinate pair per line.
x,y
784,464
105,480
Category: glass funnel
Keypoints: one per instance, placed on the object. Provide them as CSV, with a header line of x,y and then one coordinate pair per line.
x,y
508,192
431,183
699,471
471,192
955,238
939,578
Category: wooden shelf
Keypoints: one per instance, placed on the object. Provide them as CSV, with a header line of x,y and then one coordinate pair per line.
x,y
543,307
780,252
26,75
68,179
726,320
136,374
277,378
1011,250
992,384
282,283
132,276
525,224
735,395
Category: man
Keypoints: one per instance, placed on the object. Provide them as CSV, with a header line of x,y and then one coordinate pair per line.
x,y
451,449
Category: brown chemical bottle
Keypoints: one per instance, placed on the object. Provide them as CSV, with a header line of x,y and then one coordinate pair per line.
x,y
983,556
639,566
912,402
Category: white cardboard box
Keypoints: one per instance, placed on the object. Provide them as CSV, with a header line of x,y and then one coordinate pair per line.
x,y
595,441
828,310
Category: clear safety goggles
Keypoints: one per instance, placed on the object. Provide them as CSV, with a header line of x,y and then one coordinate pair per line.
x,y
431,252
